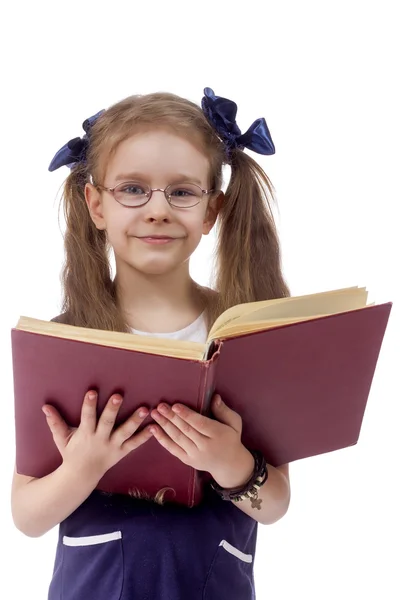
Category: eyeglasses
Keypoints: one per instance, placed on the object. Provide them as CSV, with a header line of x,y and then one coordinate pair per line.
x,y
180,195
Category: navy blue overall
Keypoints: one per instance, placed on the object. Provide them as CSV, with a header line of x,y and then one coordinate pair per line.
x,y
114,547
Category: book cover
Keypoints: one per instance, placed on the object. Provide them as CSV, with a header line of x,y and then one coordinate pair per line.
x,y
300,388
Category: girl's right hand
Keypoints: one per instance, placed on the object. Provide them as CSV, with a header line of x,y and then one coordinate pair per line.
x,y
94,446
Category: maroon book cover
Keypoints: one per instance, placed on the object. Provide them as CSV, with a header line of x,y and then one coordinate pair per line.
x,y
301,390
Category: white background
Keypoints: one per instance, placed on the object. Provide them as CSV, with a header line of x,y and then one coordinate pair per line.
x,y
325,76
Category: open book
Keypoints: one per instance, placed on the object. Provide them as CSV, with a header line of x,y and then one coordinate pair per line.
x,y
298,370
234,322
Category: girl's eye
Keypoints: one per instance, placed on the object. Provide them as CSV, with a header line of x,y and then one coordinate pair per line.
x,y
133,189
184,192
180,192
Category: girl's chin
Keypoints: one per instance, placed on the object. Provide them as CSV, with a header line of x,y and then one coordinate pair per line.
x,y
157,268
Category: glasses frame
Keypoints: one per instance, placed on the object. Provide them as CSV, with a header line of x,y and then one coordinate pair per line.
x,y
150,193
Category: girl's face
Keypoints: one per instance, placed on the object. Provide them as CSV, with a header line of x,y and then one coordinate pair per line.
x,y
157,158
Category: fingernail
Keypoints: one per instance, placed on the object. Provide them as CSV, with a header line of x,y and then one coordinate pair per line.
x,y
163,408
218,401
46,411
176,408
143,413
92,395
116,401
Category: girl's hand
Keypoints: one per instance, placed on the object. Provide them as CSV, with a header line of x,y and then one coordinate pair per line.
x,y
205,444
94,446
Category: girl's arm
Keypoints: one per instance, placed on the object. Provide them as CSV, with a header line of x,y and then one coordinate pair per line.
x,y
274,496
39,504
88,452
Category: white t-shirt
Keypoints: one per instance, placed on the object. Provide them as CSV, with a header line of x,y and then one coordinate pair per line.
x,y
195,332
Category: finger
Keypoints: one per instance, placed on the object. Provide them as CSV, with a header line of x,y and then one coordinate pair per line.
x,y
88,412
226,415
137,440
175,434
61,432
127,429
107,418
181,423
204,425
165,441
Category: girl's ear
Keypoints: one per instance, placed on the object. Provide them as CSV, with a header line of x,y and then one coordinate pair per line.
x,y
95,205
213,208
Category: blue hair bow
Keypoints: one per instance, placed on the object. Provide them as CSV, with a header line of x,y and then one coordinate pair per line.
x,y
221,113
74,151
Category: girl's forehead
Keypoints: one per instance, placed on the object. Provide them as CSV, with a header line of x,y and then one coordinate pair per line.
x,y
157,152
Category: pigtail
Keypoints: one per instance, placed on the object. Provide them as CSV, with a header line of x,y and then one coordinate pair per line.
x,y
89,298
248,257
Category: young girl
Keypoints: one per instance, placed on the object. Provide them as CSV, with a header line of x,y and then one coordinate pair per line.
x,y
145,181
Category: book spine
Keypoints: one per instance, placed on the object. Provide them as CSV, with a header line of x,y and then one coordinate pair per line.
x,y
208,379
206,391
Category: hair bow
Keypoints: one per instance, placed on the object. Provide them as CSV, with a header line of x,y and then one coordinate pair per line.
x,y
221,113
74,151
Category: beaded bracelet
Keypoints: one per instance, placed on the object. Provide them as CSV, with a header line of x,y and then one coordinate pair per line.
x,y
250,489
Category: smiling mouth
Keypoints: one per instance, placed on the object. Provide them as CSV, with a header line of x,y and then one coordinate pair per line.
x,y
157,239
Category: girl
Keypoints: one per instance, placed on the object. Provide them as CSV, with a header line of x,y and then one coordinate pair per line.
x,y
145,181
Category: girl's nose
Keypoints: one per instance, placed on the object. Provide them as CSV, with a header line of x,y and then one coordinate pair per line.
x,y
157,207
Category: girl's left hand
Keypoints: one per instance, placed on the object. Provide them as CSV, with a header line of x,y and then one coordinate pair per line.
x,y
205,444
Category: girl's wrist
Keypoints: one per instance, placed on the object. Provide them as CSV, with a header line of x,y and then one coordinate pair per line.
x,y
239,474
82,474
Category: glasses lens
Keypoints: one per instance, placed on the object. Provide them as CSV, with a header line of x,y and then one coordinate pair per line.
x,y
131,193
184,195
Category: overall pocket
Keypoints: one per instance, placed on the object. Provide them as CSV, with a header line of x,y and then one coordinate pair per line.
x,y
92,567
230,575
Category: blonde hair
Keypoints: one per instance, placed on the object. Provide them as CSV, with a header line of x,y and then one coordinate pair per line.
x,y
247,257
159,498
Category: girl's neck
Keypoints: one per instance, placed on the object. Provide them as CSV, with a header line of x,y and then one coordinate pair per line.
x,y
159,304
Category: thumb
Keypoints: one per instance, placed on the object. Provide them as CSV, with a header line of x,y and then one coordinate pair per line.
x,y
58,427
225,414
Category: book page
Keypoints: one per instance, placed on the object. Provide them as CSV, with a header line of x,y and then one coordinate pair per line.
x,y
234,329
294,308
236,321
115,339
